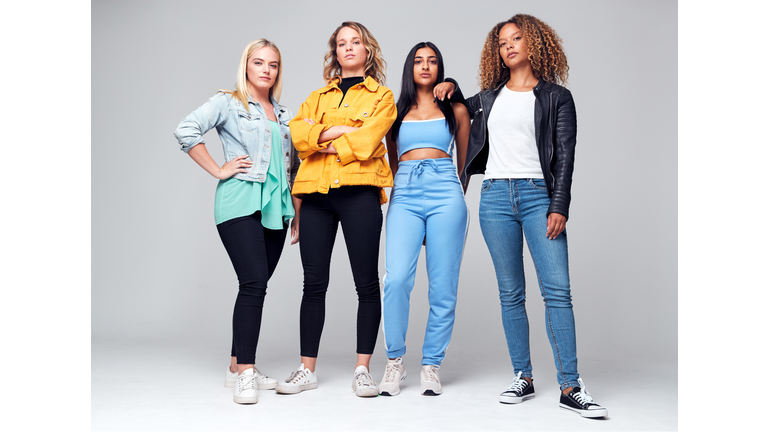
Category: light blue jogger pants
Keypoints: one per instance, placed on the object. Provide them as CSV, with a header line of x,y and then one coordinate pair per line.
x,y
427,198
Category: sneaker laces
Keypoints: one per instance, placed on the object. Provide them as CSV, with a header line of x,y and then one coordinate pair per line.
x,y
295,376
430,374
583,396
245,381
389,372
259,375
363,379
518,384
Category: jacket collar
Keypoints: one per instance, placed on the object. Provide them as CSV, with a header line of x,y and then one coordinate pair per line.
x,y
369,83
277,107
536,88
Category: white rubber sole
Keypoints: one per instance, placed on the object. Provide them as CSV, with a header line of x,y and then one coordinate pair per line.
x,y
365,392
602,412
294,389
246,399
514,399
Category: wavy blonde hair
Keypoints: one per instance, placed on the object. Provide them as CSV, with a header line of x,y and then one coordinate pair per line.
x,y
241,85
375,66
545,51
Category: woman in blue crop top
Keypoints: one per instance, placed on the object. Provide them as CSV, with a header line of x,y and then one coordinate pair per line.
x,y
253,201
427,207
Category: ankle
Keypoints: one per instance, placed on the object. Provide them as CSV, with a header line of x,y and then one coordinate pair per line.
x,y
243,367
568,390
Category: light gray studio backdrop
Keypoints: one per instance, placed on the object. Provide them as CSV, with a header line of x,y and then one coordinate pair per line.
x,y
163,287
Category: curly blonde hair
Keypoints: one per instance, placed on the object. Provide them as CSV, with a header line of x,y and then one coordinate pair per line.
x,y
375,66
545,51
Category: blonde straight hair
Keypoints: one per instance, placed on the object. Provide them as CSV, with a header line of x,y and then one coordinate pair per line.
x,y
241,86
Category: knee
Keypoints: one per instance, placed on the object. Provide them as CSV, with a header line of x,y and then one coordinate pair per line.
x,y
253,289
369,293
558,299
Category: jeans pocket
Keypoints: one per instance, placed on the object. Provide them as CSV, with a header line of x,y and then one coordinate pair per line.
x,y
486,185
538,184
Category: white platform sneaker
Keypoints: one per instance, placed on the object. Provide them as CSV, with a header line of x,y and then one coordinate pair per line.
x,y
301,379
363,384
245,388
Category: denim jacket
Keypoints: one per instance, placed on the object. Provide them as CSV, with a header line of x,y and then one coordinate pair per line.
x,y
241,133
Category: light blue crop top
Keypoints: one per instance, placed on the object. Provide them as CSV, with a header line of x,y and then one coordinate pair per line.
x,y
416,134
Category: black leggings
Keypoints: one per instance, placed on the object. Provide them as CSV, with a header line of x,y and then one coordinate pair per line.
x,y
359,211
254,252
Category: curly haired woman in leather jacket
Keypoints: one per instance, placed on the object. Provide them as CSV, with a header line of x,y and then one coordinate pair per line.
x,y
522,139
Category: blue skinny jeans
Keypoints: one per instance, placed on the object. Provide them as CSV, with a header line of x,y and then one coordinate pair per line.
x,y
511,209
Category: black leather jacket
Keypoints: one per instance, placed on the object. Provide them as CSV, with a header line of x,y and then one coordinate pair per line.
x,y
555,122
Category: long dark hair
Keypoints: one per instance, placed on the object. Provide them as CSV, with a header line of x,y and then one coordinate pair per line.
x,y
408,91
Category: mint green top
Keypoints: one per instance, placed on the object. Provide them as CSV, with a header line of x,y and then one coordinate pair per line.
x,y
237,198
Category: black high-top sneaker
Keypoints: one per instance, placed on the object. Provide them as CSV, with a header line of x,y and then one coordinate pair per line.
x,y
518,391
579,401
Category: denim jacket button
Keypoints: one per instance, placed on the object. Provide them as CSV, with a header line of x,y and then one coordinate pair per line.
x,y
285,136
286,154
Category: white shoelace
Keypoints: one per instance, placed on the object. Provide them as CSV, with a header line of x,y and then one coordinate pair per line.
x,y
389,373
245,382
259,375
430,374
518,384
295,377
583,396
363,379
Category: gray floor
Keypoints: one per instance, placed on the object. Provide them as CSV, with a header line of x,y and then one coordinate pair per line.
x,y
143,386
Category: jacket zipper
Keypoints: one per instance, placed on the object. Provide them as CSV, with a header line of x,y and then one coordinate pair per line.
x,y
552,144
467,162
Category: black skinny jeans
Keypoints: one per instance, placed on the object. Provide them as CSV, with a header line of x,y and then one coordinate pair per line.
x,y
359,211
254,252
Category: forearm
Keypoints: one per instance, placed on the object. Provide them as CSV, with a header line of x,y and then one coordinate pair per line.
x,y
200,155
296,205
365,143
331,134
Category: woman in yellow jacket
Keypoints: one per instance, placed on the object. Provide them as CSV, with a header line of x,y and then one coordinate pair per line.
x,y
338,133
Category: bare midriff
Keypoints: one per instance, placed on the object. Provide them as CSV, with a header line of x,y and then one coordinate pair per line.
x,y
424,153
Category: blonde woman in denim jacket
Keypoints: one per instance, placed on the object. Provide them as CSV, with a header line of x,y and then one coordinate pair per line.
x,y
339,133
253,203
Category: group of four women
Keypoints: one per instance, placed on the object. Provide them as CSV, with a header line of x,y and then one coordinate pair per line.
x,y
334,170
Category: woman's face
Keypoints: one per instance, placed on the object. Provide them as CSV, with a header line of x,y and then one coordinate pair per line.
x,y
425,67
350,51
262,68
512,46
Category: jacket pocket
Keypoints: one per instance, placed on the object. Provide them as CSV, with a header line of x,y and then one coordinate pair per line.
x,y
248,122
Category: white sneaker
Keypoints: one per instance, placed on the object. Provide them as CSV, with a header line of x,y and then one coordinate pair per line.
x,y
363,384
245,388
263,382
393,374
430,381
301,379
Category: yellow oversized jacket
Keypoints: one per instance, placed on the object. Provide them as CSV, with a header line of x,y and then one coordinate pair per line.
x,y
360,159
